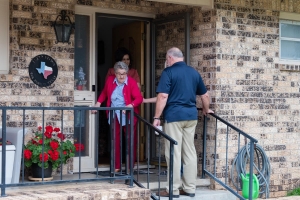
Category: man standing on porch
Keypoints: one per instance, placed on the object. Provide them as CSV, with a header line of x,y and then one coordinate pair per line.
x,y
177,89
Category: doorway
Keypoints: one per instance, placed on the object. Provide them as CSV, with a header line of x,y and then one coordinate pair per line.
x,y
99,37
112,32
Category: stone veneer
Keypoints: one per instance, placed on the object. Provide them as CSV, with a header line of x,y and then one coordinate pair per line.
x,y
234,46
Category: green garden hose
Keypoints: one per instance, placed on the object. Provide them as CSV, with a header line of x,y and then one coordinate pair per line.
x,y
261,164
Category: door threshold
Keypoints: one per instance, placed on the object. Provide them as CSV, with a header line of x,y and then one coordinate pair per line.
x,y
105,167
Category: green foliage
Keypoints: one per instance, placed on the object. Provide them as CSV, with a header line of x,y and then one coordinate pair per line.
x,y
294,192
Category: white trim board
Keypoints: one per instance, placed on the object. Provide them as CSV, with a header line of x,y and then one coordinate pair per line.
x,y
289,16
91,9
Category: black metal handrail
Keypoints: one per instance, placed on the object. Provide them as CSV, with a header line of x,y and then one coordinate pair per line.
x,y
150,130
205,171
22,112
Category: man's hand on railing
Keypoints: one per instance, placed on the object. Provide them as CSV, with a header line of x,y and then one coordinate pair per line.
x,y
98,104
156,121
205,112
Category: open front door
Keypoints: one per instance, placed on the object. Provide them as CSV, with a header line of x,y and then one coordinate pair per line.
x,y
179,28
131,36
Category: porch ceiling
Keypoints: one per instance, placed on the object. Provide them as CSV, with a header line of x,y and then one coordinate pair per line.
x,y
202,3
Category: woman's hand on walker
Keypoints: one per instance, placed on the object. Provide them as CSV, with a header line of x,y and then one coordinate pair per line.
x,y
129,106
96,105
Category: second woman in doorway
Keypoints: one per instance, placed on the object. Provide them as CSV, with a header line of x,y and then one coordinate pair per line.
x,y
123,54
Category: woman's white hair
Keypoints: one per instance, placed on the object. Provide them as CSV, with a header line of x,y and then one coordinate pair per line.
x,y
120,65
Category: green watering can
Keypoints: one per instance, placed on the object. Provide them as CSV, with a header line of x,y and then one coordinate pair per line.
x,y
255,186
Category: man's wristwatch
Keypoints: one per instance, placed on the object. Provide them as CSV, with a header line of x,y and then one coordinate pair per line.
x,y
156,118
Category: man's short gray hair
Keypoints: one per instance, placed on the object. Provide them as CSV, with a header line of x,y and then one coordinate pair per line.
x,y
175,52
120,65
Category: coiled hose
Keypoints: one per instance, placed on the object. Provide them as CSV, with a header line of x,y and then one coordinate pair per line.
x,y
262,168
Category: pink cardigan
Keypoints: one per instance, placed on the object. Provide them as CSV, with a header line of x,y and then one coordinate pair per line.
x,y
131,92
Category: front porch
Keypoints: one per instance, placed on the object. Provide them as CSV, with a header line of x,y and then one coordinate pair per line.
x,y
105,190
90,184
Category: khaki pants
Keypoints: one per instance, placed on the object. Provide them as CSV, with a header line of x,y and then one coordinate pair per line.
x,y
183,132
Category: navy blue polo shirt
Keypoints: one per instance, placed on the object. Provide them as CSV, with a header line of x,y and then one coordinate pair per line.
x,y
182,83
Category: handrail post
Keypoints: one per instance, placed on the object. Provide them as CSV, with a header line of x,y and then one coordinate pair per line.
x,y
3,162
251,169
171,170
131,160
204,146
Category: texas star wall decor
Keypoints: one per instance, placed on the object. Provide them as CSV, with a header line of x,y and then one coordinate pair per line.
x,y
43,70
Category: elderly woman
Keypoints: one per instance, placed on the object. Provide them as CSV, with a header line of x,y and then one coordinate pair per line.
x,y
120,90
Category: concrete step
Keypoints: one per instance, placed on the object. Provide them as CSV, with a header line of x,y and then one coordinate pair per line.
x,y
200,183
207,194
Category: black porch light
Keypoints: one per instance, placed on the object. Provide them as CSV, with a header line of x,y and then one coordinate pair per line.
x,y
63,27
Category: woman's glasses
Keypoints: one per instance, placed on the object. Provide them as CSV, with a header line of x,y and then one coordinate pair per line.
x,y
119,74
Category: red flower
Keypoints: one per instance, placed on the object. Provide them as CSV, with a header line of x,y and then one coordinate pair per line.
x,y
40,141
54,155
65,152
27,154
33,141
40,128
56,129
54,145
46,157
61,136
48,135
49,129
79,147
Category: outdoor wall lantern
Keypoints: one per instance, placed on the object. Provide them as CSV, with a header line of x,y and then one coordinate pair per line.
x,y
63,27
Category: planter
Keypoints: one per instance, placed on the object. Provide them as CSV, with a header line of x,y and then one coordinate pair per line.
x,y
9,162
37,171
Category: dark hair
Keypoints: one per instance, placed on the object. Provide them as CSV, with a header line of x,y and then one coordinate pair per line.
x,y
121,52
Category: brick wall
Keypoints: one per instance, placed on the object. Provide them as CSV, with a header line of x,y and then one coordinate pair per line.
x,y
254,91
32,35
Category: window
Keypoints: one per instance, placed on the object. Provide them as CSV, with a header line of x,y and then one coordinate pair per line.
x,y
82,52
289,40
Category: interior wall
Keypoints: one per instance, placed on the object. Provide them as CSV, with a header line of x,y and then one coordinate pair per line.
x,y
104,27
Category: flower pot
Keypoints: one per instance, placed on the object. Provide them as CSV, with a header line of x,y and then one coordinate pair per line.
x,y
37,171
79,87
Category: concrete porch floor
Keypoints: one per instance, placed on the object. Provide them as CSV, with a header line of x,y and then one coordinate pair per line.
x,y
104,190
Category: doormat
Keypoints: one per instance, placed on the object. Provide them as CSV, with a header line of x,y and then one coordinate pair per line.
x,y
107,173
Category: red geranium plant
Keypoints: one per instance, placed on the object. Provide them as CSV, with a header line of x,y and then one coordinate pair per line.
x,y
55,149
